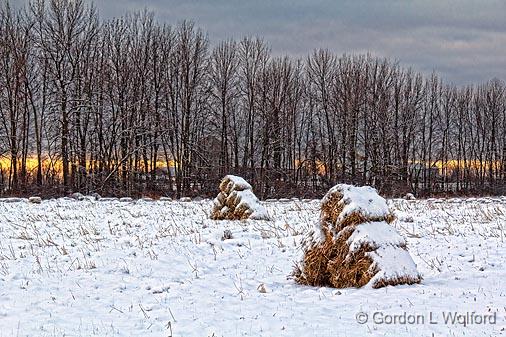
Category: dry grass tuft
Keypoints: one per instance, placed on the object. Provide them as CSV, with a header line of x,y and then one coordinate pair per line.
x,y
330,264
349,269
313,270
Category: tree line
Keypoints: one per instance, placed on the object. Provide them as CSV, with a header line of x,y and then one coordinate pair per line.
x,y
130,106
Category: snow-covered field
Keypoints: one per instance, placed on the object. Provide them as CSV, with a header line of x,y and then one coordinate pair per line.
x,y
161,268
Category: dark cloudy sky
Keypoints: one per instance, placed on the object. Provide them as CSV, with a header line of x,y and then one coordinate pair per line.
x,y
463,40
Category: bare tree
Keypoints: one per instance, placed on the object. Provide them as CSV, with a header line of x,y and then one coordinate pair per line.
x,y
129,106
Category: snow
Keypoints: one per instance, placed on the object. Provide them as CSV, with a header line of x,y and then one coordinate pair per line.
x,y
375,234
9,200
237,183
392,262
390,259
314,237
248,200
363,199
161,268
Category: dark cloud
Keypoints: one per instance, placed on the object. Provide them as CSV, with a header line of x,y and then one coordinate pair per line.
x,y
463,40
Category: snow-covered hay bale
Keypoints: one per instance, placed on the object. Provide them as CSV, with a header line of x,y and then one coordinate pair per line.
x,y
95,195
77,196
237,201
35,200
409,196
353,245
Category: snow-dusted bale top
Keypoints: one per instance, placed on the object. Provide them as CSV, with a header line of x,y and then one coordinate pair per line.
x,y
344,205
354,245
234,183
236,201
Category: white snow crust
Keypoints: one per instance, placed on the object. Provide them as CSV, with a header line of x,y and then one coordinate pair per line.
x,y
110,268
237,183
375,234
249,200
392,262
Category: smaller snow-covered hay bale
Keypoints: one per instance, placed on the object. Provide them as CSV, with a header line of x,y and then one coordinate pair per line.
x,y
236,201
353,245
35,200
409,196
77,196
